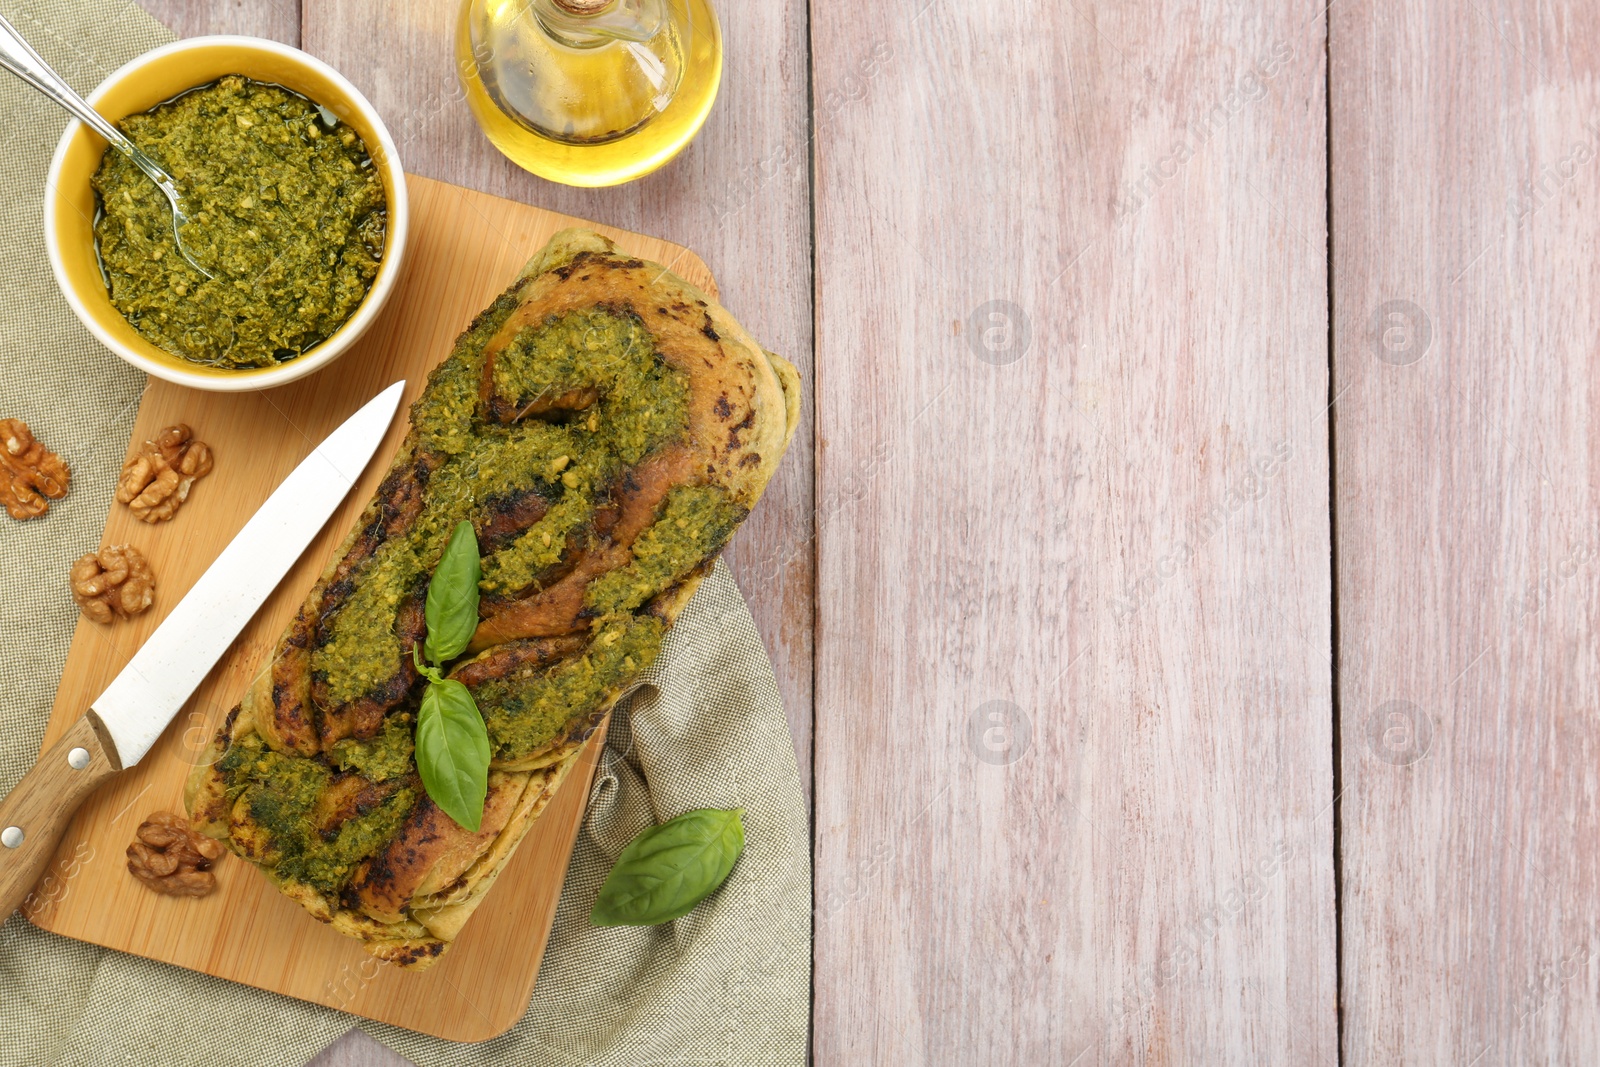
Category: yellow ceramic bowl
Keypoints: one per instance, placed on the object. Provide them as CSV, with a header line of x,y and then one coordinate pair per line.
x,y
69,203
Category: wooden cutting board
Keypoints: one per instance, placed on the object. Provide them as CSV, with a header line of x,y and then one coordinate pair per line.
x,y
466,248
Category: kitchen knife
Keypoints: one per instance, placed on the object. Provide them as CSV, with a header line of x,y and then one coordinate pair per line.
x,y
124,722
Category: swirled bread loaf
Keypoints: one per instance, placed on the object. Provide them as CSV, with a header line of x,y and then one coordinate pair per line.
x,y
606,427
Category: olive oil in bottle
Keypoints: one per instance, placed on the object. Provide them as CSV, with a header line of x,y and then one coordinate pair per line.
x,y
589,92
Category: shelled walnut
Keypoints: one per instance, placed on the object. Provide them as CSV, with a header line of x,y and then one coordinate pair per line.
x,y
114,581
170,858
30,474
156,480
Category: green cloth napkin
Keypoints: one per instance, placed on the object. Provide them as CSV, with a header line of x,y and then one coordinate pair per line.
x,y
727,984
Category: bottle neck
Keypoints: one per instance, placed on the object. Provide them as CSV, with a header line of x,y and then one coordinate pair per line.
x,y
590,23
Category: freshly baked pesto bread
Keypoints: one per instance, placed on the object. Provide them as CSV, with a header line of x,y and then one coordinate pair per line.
x,y
605,426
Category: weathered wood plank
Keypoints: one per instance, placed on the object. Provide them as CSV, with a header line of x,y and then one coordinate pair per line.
x,y
277,19
1073,677
739,196
1465,318
356,1049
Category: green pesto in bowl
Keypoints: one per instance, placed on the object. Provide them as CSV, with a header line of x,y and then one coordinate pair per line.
x,y
286,209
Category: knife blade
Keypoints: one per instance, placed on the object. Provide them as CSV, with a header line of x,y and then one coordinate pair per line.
x,y
124,722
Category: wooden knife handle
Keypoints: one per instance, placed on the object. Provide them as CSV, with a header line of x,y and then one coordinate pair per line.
x,y
34,815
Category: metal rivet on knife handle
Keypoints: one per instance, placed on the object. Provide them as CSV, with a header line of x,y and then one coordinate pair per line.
x,y
78,759
35,814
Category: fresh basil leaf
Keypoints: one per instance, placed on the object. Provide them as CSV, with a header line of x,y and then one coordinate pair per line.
x,y
453,752
452,608
668,869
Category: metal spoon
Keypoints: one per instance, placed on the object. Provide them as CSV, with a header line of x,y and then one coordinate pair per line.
x,y
18,56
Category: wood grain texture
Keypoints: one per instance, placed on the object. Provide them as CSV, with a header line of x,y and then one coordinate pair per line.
x,y
465,248
356,1049
277,19
1465,316
1073,675
739,196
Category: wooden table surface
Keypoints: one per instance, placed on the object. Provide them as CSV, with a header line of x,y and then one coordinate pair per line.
x,y
1182,584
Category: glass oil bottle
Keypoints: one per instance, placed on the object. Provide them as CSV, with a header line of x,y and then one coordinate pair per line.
x,y
589,92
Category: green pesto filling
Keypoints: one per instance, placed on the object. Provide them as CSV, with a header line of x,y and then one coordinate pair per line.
x,y
381,758
280,793
539,547
328,863
443,415
285,208
526,711
249,761
643,403
362,650
696,521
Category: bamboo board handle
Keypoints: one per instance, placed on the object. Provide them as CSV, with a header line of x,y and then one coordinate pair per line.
x,y
34,815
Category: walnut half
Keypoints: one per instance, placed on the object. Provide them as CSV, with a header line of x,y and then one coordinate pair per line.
x,y
30,474
114,581
170,858
156,479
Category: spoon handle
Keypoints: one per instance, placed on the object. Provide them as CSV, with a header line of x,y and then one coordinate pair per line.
x,y
18,56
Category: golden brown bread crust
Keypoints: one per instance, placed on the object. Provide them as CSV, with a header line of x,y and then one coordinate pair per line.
x,y
411,897
431,851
